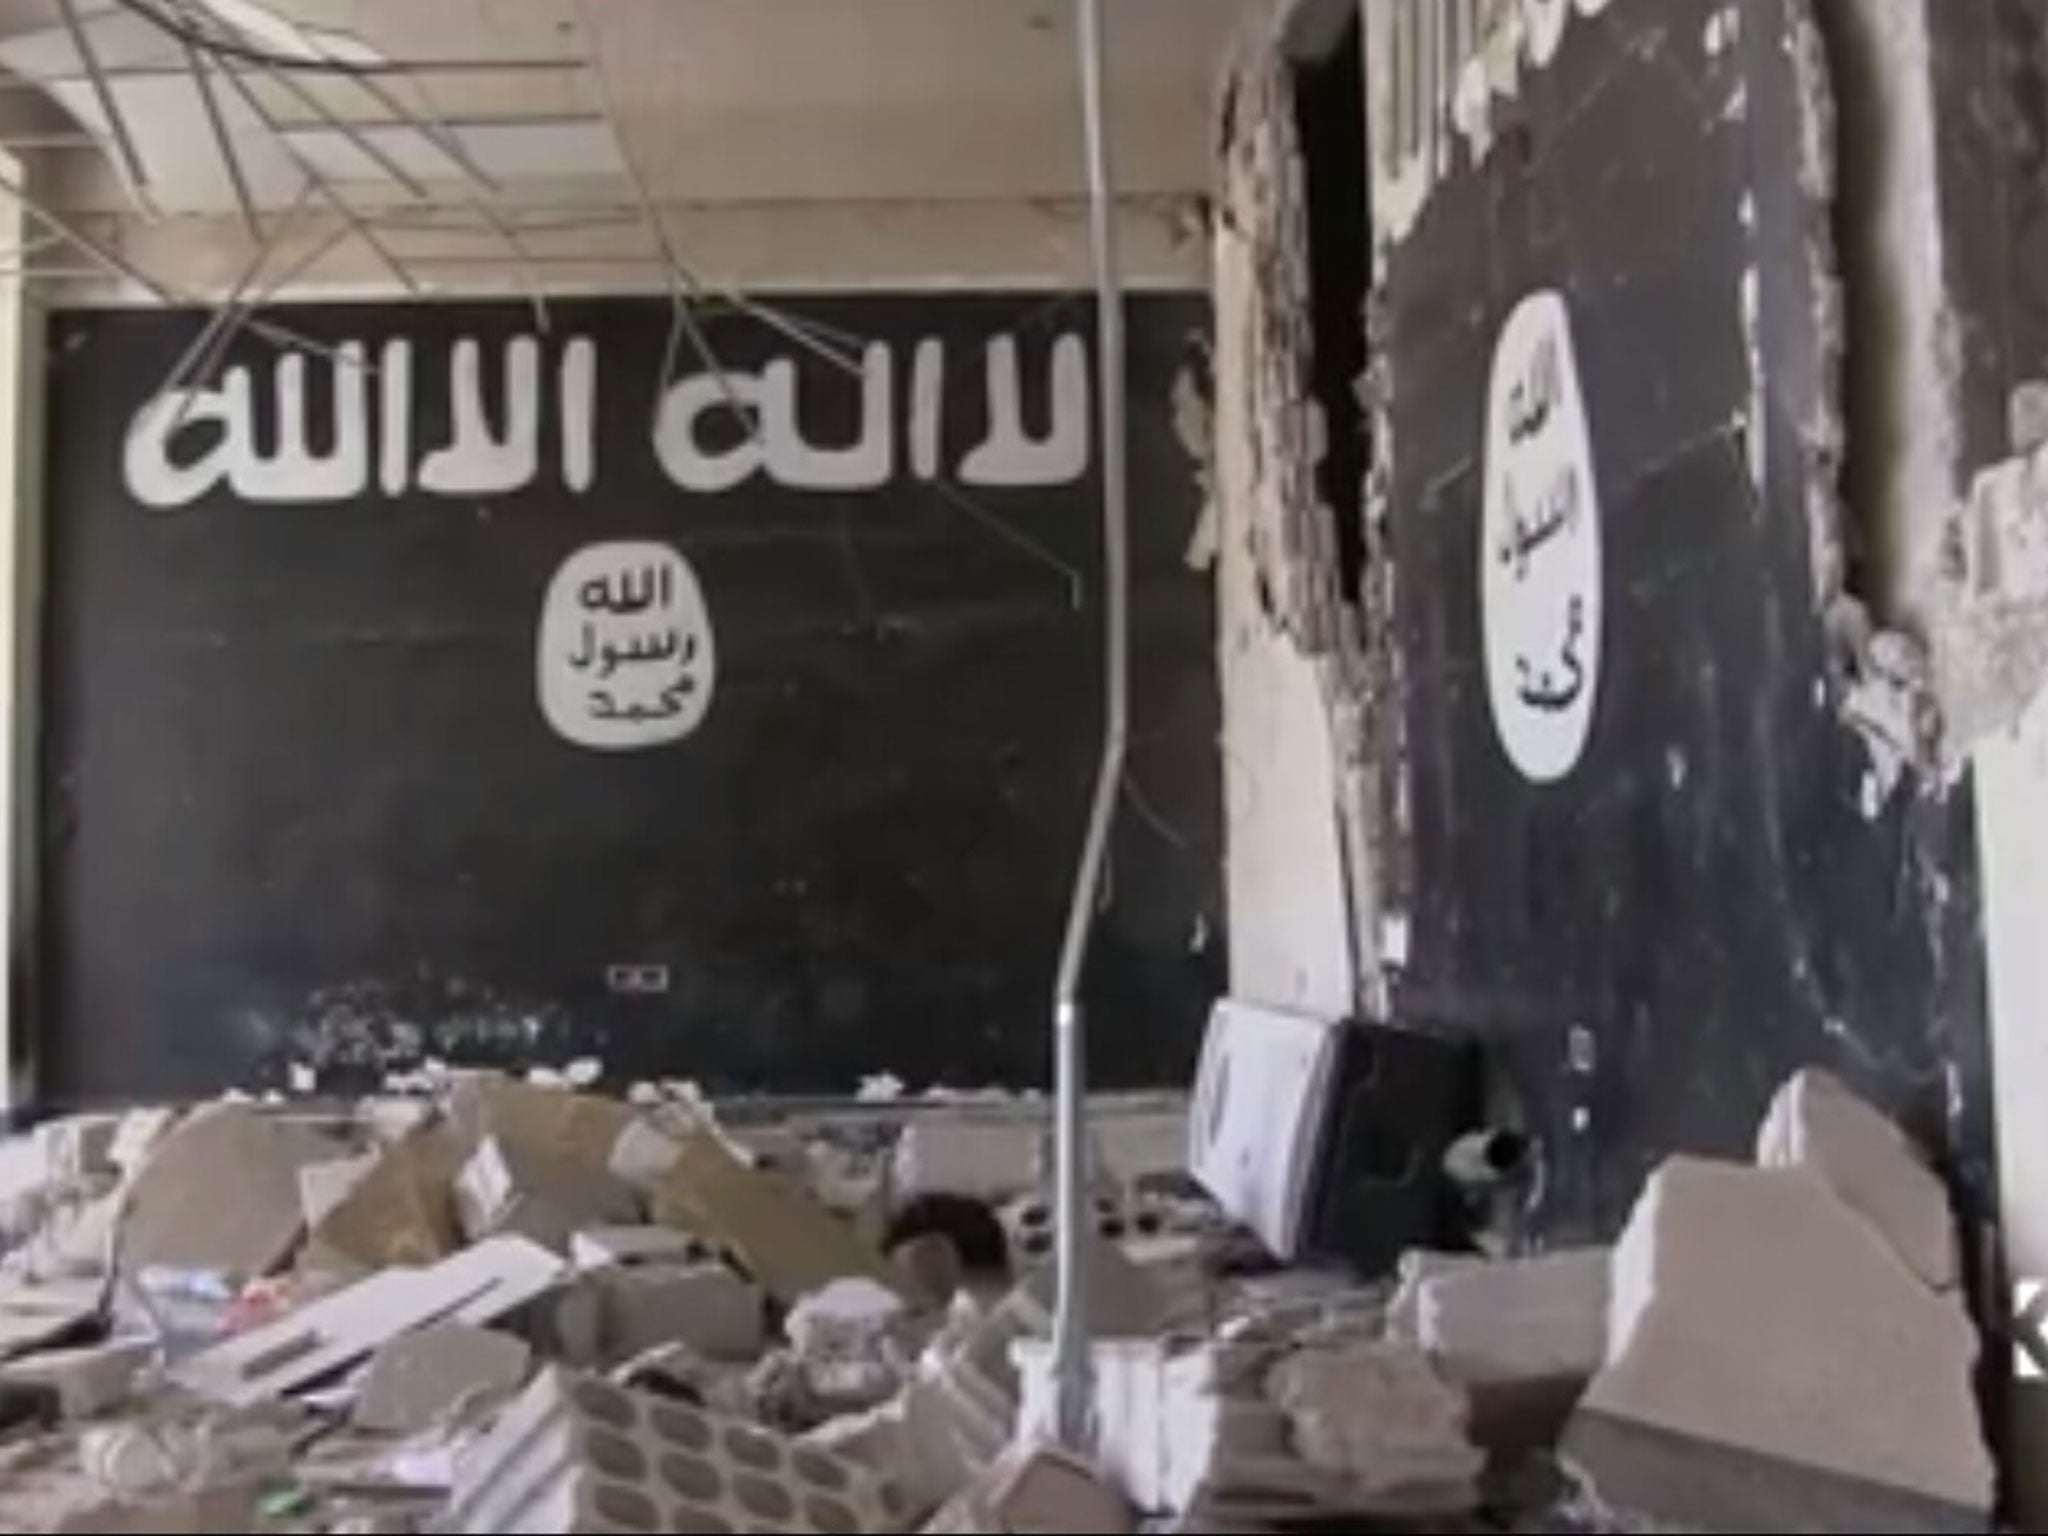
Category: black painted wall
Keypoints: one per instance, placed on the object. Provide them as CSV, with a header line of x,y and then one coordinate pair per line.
x,y
1716,892
304,805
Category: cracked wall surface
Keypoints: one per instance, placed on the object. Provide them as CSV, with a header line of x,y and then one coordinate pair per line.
x,y
1279,615
1800,249
1741,867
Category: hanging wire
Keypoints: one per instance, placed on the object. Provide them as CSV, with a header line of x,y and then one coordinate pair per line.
x,y
183,31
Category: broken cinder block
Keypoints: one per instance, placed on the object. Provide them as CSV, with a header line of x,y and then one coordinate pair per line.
x,y
1758,1319
577,1454
1815,1122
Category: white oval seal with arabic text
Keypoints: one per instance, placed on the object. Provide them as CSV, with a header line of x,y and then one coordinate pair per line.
x,y
626,656
1539,547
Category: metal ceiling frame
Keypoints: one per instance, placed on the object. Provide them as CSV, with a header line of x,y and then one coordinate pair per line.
x,y
239,310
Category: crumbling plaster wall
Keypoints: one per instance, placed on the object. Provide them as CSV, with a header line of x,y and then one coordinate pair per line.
x,y
1928,498
1297,772
1947,399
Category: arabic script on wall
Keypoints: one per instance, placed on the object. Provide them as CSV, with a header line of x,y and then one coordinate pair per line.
x,y
1539,547
626,656
185,443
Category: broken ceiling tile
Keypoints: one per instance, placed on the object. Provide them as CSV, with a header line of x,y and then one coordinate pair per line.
x,y
220,1193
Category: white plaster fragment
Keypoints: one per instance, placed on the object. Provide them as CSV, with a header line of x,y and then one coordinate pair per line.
x,y
1890,704
1815,1122
1535,1319
987,1156
1378,1414
1752,1308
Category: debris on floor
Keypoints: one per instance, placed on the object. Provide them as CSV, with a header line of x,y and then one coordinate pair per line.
x,y
1773,1350
417,1378
502,1305
1816,1122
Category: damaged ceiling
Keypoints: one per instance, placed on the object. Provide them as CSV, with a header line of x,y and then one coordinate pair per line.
x,y
546,143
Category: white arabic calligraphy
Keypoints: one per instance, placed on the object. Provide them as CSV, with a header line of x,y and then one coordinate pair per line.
x,y
625,656
475,461
1539,555
713,431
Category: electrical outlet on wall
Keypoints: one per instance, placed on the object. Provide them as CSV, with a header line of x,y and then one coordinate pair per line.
x,y
636,980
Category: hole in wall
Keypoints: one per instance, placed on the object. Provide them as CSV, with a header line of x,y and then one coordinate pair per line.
x,y
1330,125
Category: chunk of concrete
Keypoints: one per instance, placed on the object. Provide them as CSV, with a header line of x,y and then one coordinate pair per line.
x,y
1751,1309
87,1381
527,1189
1815,1122
1035,1488
706,1306
1521,1320
24,1181
220,1192
575,1453
962,1153
80,1147
786,1238
323,1186
581,1128
400,1210
1377,1414
76,1236
1417,1267
1168,1431
417,1378
136,1137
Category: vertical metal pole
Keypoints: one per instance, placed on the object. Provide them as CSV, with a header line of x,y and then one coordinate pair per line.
x,y
1075,1231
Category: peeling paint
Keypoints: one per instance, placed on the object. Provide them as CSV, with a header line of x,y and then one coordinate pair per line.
x,y
1993,621
1890,704
1758,425
1287,640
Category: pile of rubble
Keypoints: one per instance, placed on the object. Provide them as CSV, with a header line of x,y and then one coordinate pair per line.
x,y
500,1306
